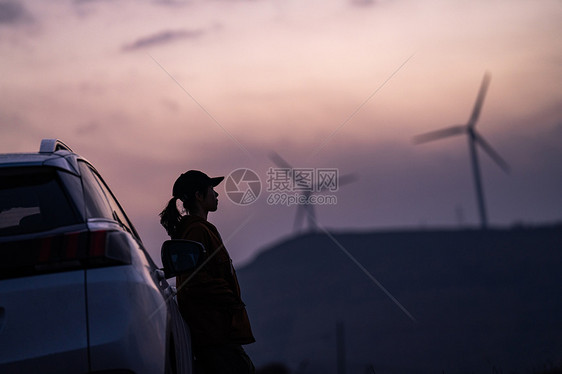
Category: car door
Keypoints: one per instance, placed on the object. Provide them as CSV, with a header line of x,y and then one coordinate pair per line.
x,y
127,314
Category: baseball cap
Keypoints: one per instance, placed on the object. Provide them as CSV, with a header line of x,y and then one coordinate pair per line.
x,y
191,181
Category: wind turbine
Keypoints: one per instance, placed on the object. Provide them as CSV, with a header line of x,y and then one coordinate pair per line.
x,y
306,211
474,140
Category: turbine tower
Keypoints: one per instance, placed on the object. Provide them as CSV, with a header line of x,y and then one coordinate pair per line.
x,y
474,140
307,211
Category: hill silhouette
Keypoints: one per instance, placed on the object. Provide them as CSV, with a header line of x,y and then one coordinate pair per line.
x,y
481,301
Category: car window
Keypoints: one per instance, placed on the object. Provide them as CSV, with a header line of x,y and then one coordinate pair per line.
x,y
118,213
73,187
32,199
103,199
97,205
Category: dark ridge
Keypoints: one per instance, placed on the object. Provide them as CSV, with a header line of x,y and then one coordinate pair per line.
x,y
479,300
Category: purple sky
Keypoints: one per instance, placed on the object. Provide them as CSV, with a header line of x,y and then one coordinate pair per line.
x,y
147,90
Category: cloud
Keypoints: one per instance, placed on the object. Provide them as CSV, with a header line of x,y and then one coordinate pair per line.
x,y
12,13
88,128
362,3
171,2
163,37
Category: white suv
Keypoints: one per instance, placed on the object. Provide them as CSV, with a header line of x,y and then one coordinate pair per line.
x,y
78,291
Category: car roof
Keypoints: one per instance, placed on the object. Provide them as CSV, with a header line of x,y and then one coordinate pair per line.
x,y
52,152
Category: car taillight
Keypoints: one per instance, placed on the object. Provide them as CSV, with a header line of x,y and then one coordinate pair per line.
x,y
69,251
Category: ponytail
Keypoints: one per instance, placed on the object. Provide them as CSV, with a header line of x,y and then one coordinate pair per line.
x,y
170,217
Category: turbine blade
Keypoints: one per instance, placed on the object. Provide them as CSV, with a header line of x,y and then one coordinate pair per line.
x,y
439,134
479,100
343,180
347,179
279,161
491,152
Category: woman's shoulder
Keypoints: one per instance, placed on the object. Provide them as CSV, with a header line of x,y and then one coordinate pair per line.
x,y
196,228
187,223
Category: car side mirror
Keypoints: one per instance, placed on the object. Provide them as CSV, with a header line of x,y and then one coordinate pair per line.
x,y
180,256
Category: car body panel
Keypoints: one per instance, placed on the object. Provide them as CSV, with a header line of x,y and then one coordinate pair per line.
x,y
131,333
31,337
